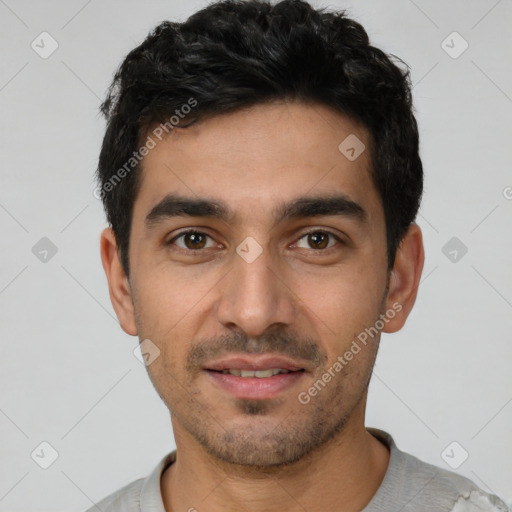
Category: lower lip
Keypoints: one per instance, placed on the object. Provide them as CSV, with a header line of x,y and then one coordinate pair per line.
x,y
254,387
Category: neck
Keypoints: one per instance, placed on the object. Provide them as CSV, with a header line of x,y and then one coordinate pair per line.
x,y
343,474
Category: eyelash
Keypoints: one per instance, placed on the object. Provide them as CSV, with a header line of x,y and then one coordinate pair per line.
x,y
198,251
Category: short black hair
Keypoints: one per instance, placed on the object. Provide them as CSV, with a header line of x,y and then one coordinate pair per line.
x,y
234,54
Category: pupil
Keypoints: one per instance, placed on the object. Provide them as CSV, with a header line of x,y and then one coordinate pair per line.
x,y
315,237
195,239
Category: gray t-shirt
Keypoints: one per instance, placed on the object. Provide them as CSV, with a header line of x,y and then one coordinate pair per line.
x,y
409,485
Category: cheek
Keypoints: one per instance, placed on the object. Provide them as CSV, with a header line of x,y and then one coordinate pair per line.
x,y
161,312
165,296
344,299
342,307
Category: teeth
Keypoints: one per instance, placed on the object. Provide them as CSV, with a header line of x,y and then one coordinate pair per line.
x,y
260,374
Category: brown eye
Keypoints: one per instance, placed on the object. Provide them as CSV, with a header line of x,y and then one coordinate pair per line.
x,y
319,240
194,240
191,240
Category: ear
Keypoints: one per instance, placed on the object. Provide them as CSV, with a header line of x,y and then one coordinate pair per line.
x,y
118,284
405,278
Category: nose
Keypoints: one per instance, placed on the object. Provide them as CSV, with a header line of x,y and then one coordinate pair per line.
x,y
255,295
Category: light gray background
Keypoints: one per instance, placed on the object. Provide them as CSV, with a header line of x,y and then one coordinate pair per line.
x,y
68,372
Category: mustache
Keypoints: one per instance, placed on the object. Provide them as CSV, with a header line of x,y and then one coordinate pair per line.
x,y
284,344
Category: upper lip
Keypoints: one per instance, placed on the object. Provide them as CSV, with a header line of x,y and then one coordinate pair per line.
x,y
264,362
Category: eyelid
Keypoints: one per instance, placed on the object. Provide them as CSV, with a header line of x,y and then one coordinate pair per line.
x,y
315,229
336,236
186,231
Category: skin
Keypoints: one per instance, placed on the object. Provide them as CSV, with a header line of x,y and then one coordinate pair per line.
x,y
295,299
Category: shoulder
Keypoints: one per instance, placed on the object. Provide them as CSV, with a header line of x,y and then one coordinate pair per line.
x,y
459,493
126,499
417,485
141,494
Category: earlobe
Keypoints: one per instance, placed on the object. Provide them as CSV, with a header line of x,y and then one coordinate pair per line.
x,y
118,284
405,278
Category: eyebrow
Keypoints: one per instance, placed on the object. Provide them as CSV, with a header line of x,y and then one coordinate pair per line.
x,y
173,205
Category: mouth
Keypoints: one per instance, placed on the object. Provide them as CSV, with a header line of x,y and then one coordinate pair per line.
x,y
259,374
255,378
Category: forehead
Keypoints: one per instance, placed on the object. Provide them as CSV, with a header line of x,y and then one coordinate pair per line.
x,y
260,157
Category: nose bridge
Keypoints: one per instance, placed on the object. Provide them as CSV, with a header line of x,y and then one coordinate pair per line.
x,y
254,297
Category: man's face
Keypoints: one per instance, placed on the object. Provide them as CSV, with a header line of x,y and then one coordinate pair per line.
x,y
207,297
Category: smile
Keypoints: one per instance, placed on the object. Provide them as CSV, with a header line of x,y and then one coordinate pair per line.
x,y
261,374
255,384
